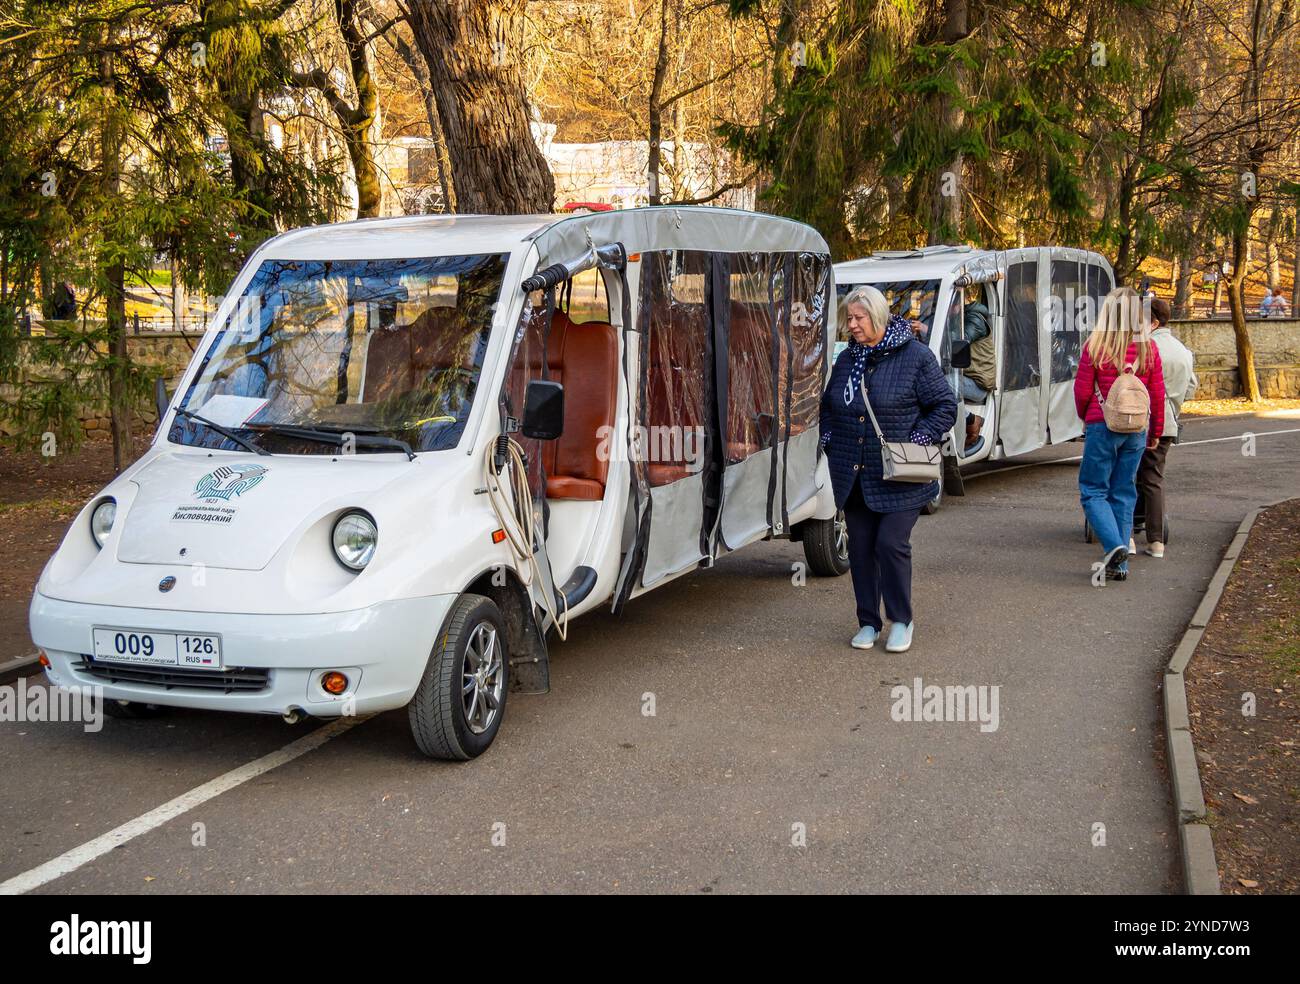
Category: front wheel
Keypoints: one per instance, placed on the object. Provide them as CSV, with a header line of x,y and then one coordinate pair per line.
x,y
458,706
826,546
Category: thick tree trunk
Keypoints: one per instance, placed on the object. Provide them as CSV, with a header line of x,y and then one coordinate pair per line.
x,y
1182,304
1273,255
113,277
655,110
945,200
1295,270
1237,304
1124,248
359,122
473,50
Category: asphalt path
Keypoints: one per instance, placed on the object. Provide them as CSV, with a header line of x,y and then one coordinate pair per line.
x,y
772,761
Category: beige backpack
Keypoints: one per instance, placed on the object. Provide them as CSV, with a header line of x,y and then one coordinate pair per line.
x,y
1127,407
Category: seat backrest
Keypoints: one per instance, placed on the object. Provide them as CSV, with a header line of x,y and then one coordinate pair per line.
x,y
749,363
584,358
399,357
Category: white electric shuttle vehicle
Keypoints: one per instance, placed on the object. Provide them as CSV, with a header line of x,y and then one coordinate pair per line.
x,y
408,451
1040,301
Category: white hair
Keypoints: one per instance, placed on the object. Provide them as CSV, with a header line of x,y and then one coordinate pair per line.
x,y
873,301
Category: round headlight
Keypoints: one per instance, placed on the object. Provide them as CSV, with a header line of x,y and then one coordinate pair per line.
x,y
355,539
101,521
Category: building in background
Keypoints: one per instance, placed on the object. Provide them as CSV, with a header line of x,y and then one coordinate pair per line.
x,y
612,172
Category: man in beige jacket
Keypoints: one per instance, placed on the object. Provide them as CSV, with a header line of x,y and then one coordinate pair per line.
x,y
1180,384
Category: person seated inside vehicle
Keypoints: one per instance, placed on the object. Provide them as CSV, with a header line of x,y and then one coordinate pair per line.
x,y
978,379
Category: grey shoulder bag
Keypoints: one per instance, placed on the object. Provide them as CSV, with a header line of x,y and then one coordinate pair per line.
x,y
903,461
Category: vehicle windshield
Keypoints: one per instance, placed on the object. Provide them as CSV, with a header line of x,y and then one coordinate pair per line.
x,y
913,299
363,355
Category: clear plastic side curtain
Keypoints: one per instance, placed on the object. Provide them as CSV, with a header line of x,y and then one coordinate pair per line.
x,y
1070,320
809,306
752,354
675,326
1021,369
808,300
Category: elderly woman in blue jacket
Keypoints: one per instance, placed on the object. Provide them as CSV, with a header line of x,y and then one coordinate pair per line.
x,y
912,402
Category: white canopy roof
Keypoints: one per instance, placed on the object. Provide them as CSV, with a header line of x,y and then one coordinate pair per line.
x,y
559,238
722,230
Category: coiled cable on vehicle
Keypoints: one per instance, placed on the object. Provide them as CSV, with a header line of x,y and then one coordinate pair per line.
x,y
516,517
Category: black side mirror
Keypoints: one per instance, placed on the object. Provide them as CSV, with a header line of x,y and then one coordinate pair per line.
x,y
160,397
543,410
960,358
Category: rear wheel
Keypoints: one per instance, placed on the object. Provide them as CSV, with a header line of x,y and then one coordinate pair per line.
x,y
826,546
457,708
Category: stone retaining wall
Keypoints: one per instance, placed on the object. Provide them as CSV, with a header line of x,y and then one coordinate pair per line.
x,y
166,354
1214,348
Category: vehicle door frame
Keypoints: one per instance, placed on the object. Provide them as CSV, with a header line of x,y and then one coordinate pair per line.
x,y
1025,408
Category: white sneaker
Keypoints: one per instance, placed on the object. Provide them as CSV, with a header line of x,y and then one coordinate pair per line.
x,y
1156,550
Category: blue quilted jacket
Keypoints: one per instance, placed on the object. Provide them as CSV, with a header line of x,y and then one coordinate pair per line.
x,y
910,397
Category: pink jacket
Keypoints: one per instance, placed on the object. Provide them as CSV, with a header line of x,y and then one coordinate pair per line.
x,y
1085,398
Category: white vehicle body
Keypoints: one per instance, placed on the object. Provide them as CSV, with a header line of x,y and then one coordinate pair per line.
x,y
211,541
1042,301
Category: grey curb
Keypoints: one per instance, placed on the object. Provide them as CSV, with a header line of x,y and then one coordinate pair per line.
x,y
1200,869
15,668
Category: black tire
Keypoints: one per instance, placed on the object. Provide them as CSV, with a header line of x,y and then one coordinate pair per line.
x,y
130,710
826,546
440,723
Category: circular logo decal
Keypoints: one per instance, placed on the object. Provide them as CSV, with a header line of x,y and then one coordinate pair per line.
x,y
166,584
228,482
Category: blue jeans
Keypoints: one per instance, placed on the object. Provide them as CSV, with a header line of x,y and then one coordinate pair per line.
x,y
1108,483
971,390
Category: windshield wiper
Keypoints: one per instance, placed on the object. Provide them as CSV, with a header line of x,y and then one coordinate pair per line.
x,y
337,437
223,431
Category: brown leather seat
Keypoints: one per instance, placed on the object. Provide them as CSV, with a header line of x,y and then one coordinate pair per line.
x,y
583,358
749,368
675,387
399,358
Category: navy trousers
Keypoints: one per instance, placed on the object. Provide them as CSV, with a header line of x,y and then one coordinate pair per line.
x,y
880,558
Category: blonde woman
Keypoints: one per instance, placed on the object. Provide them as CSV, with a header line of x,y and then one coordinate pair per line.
x,y
1108,472
911,399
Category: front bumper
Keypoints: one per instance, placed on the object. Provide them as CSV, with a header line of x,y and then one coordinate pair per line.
x,y
382,649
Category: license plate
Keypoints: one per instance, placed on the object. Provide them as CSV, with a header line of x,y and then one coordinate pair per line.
x,y
196,651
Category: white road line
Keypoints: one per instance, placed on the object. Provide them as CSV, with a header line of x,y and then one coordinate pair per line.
x,y
87,852
1078,457
1237,437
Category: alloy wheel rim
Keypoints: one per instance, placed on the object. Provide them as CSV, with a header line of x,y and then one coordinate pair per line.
x,y
482,679
841,536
